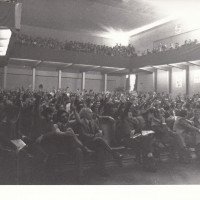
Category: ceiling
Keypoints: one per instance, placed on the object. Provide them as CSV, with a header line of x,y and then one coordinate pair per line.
x,y
167,67
73,67
67,67
90,16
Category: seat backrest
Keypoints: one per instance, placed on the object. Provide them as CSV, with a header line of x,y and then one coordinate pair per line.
x,y
107,125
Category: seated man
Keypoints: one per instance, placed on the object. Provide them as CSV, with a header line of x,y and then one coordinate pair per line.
x,y
194,137
183,128
196,117
127,126
166,136
64,130
92,137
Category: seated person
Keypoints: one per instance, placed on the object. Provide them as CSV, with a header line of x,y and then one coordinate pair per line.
x,y
9,115
5,138
165,135
126,127
183,128
92,137
194,137
64,130
54,138
196,117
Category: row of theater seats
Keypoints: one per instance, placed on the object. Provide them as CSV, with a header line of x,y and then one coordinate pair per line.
x,y
26,168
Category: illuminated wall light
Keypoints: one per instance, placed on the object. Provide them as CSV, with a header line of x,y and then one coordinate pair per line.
x,y
132,81
5,35
122,37
188,12
117,36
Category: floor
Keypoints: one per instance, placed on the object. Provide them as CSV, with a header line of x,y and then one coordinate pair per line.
x,y
168,173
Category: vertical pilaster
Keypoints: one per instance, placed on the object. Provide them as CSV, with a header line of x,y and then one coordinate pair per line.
x,y
5,77
187,80
33,77
105,82
59,79
155,79
83,80
170,80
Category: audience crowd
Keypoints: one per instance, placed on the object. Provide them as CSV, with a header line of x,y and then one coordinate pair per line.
x,y
117,50
10,1
164,47
68,121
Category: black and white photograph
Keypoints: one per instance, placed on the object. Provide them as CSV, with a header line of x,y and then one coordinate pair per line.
x,y
99,93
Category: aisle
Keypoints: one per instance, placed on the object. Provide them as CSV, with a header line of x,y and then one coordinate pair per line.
x,y
167,174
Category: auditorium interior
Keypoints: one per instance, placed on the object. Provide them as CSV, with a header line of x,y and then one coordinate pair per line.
x,y
111,58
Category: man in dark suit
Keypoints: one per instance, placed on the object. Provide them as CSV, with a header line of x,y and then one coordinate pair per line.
x,y
92,137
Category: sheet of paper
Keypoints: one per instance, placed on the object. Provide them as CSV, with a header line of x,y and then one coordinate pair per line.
x,y
19,144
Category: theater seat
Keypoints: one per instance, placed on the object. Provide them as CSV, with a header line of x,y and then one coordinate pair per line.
x,y
108,126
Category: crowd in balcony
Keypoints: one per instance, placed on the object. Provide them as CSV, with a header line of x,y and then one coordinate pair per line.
x,y
117,50
162,47
10,1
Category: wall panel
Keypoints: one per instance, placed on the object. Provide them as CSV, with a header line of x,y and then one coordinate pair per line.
x,y
15,81
111,85
145,82
18,76
162,81
72,83
1,77
49,79
178,82
194,77
93,84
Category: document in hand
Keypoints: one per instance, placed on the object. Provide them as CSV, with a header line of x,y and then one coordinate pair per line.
x,y
19,144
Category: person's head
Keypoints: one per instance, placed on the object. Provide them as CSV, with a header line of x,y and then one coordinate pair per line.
x,y
86,113
62,116
47,113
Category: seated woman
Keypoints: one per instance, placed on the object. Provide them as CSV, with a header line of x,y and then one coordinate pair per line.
x,y
92,137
